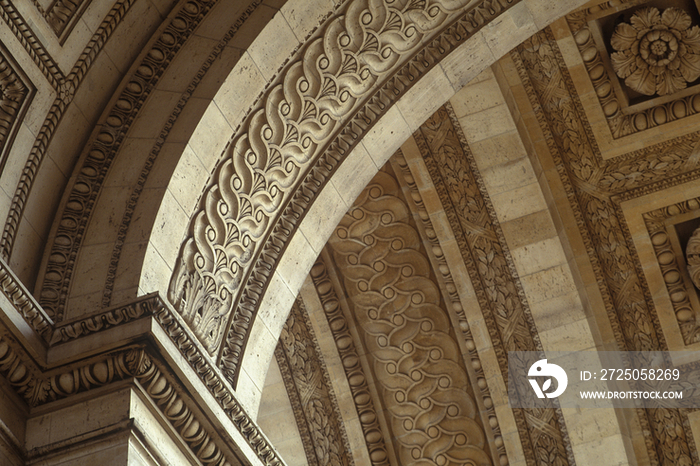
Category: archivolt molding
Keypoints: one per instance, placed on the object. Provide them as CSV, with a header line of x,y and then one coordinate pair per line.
x,y
65,87
454,307
100,155
16,92
347,349
407,333
685,313
148,165
310,392
493,276
621,123
625,293
290,145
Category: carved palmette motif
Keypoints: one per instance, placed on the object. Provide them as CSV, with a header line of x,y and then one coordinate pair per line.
x,y
279,143
416,360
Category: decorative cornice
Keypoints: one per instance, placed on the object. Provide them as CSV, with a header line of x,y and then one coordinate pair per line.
x,y
492,272
37,388
149,305
24,303
601,223
310,392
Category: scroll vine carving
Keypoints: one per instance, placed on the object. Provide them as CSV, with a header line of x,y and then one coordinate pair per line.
x,y
292,135
624,291
354,373
655,221
308,386
416,360
621,123
463,196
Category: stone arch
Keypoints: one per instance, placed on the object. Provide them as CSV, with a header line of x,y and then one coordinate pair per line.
x,y
110,263
372,149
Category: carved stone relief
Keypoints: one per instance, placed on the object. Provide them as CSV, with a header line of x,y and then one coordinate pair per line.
x,y
657,52
347,349
78,209
310,393
506,313
610,248
693,258
149,306
685,312
407,334
622,121
292,143
37,388
16,93
454,306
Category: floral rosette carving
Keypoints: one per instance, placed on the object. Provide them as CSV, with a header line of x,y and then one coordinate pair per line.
x,y
657,53
692,255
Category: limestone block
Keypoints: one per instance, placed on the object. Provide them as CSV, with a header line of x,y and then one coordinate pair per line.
x,y
467,61
271,49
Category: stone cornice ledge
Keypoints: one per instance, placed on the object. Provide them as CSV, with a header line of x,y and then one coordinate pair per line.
x,y
148,318
30,323
151,317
